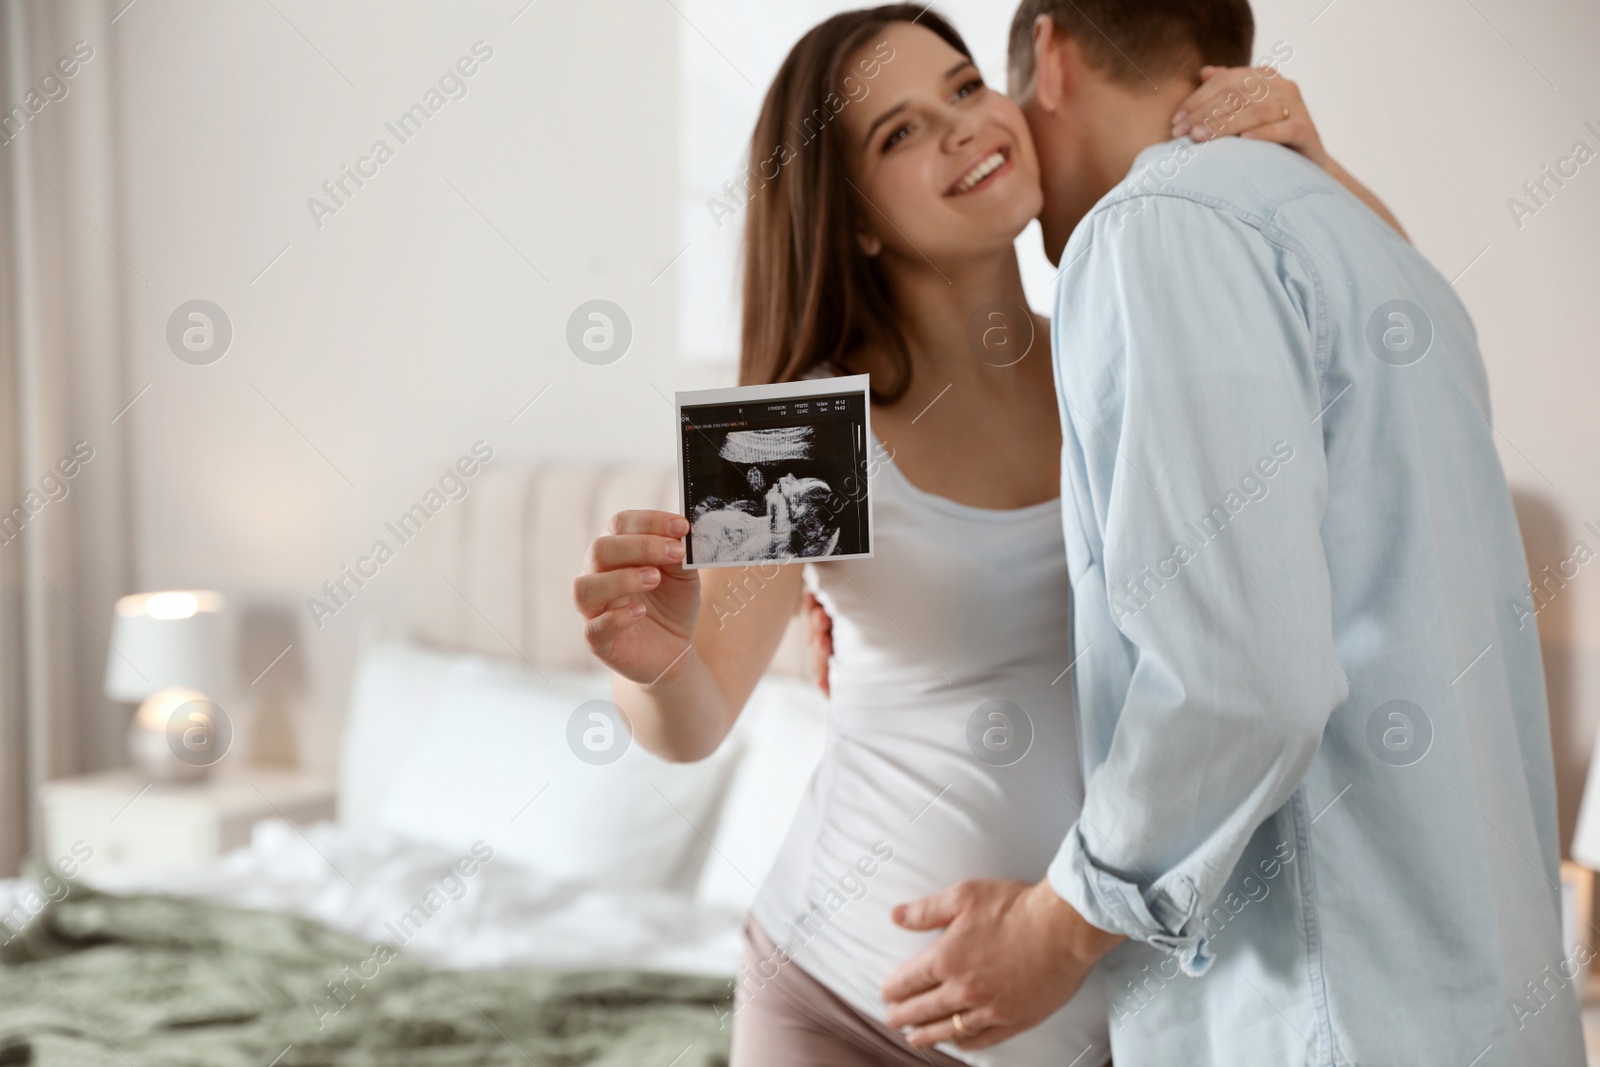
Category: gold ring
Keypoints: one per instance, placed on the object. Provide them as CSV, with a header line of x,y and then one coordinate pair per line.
x,y
955,1020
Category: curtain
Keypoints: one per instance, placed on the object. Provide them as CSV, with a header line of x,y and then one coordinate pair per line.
x,y
64,546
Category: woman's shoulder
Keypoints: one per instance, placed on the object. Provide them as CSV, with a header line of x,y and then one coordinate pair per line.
x,y
860,360
826,369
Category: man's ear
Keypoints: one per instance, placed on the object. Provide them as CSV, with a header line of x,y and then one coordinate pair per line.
x,y
1049,81
870,245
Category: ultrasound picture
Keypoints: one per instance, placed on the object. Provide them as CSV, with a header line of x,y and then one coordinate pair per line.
x,y
776,479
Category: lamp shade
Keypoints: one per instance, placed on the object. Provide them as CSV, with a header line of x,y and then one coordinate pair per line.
x,y
160,640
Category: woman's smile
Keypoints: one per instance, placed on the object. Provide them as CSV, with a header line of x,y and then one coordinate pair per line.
x,y
987,170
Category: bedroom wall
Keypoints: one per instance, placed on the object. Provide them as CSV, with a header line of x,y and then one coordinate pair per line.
x,y
419,318
429,309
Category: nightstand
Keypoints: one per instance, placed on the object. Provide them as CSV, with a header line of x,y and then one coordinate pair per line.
x,y
126,820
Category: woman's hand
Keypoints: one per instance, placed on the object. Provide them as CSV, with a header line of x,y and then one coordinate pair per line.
x,y
1256,103
819,640
639,602
1260,104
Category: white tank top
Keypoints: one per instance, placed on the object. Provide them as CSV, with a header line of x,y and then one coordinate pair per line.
x,y
950,648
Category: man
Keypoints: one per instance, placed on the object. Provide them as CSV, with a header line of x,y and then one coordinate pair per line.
x,y
1319,825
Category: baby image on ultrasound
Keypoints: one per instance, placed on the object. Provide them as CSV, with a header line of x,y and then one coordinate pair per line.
x,y
775,477
785,515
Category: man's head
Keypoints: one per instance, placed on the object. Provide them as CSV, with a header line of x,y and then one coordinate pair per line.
x,y
1093,78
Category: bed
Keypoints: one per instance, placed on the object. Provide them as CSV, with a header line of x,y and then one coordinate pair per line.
x,y
484,896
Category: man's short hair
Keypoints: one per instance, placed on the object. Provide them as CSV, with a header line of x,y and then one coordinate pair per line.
x,y
1136,41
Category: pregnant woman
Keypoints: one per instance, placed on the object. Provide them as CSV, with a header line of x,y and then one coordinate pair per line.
x,y
880,240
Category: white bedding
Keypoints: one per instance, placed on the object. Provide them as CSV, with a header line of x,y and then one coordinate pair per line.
x,y
443,751
364,880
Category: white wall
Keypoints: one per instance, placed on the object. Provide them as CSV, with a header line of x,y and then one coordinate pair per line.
x,y
383,344
406,327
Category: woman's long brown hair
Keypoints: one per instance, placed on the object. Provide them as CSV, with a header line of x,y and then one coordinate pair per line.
x,y
810,294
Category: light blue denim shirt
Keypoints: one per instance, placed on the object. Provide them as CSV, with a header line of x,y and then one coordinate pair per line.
x,y
1320,795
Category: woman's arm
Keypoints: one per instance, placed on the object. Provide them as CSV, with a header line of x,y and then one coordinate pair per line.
x,y
1365,195
1260,104
684,664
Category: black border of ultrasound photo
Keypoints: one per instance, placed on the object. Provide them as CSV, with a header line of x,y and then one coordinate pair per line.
x,y
813,402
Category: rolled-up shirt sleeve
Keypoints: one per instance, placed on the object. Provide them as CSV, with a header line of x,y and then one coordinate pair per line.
x,y
1188,343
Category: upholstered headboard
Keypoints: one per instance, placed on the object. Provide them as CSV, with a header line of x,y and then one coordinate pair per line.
x,y
495,569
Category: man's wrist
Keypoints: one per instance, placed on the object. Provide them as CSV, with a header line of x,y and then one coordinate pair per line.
x,y
1077,936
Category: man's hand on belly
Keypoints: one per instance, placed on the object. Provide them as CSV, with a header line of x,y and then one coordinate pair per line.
x,y
1011,954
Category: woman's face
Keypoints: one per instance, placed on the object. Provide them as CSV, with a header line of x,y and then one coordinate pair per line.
x,y
945,164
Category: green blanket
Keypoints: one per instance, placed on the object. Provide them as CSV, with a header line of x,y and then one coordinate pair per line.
x,y
146,980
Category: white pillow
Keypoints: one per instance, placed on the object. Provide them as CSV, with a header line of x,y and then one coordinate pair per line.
x,y
395,689
493,762
783,730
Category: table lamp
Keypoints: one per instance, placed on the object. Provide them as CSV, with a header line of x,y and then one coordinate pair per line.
x,y
166,653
